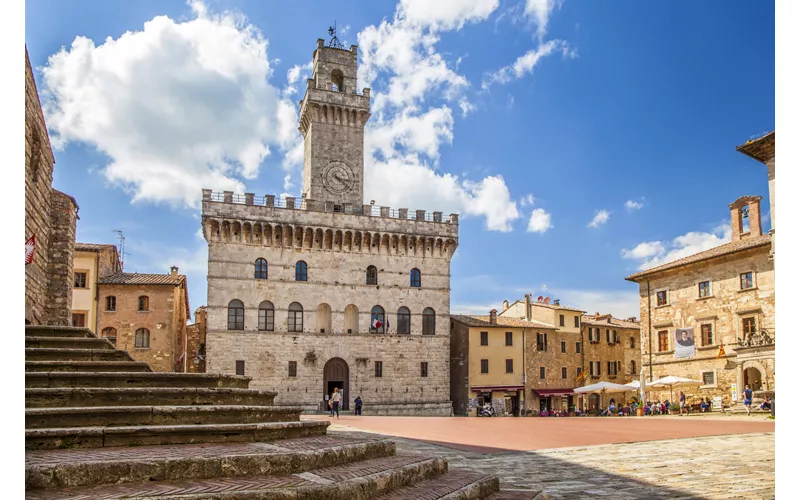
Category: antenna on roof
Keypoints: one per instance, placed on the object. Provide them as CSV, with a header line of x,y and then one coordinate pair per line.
x,y
121,248
334,41
547,300
539,299
557,302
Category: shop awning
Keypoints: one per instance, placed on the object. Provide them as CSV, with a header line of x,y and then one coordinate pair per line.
x,y
553,392
490,388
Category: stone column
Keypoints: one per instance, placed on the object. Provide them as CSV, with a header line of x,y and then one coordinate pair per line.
x,y
248,198
269,200
61,249
739,380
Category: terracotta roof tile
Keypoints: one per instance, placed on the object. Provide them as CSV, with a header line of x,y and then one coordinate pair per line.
x,y
142,279
619,323
92,247
726,249
483,321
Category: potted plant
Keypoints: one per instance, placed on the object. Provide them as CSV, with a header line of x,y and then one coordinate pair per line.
x,y
674,409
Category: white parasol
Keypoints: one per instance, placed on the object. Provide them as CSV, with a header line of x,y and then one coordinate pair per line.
x,y
673,381
602,388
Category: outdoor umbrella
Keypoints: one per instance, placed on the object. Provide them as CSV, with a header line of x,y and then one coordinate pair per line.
x,y
602,388
673,381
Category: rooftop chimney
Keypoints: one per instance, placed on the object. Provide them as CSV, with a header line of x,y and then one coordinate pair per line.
x,y
505,305
173,271
493,316
746,208
528,311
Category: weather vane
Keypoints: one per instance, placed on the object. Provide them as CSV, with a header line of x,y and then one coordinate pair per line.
x,y
334,42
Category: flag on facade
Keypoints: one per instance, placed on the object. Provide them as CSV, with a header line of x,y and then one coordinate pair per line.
x,y
721,352
30,246
580,377
377,324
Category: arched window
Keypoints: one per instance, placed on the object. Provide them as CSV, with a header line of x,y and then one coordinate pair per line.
x,y
337,79
372,275
416,278
377,322
301,271
266,316
142,338
351,319
144,303
235,315
111,303
261,269
403,320
428,321
295,317
110,333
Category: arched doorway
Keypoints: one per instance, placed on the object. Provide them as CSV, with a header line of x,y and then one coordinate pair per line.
x,y
337,374
752,377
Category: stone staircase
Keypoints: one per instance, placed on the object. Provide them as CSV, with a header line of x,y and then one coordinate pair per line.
x,y
99,425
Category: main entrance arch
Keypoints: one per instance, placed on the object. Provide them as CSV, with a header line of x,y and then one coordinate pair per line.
x,y
337,374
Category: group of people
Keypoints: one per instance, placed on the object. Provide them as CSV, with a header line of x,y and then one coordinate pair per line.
x,y
335,402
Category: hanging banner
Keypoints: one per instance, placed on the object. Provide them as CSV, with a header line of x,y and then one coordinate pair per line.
x,y
30,246
684,342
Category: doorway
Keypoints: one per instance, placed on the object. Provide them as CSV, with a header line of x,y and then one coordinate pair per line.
x,y
336,374
752,377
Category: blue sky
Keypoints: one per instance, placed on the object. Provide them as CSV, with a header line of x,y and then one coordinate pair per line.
x,y
531,118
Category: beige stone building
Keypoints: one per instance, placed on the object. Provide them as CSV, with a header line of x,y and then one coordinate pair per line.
x,y
612,352
91,262
50,218
725,298
196,343
322,292
487,355
146,314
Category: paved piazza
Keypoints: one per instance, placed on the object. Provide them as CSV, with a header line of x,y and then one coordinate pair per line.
x,y
570,458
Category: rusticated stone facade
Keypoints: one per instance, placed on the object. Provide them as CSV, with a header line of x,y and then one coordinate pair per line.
x,y
727,294
328,292
50,216
196,343
154,305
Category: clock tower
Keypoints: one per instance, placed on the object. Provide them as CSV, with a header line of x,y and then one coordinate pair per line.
x,y
332,119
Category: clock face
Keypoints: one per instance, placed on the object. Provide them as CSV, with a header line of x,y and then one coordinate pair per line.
x,y
338,178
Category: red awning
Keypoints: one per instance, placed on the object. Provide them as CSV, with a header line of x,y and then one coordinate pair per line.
x,y
490,388
553,392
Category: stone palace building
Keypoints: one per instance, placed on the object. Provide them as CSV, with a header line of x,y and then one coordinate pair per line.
x,y
322,292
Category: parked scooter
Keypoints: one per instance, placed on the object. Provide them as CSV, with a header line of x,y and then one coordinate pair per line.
x,y
487,411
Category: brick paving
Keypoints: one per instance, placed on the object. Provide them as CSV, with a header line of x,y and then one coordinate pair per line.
x,y
709,467
367,467
436,488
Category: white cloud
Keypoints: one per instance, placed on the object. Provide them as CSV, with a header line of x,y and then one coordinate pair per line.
x,y
539,221
449,15
620,304
600,218
632,205
539,12
527,200
176,106
655,253
525,63
466,107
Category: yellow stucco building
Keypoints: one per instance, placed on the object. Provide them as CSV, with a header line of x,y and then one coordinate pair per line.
x,y
91,262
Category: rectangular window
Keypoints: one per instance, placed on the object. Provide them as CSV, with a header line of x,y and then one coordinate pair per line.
x,y
614,337
423,369
746,280
510,338
704,289
379,368
608,336
509,366
633,342
577,347
484,338
560,320
563,372
79,319
484,366
564,346
240,367
111,303
541,341
266,319
663,341
292,368
706,334
295,321
577,321
708,378
80,279
541,372
748,326
633,367
144,303
594,368
661,298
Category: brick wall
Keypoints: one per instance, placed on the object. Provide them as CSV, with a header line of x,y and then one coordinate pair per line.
x,y
61,249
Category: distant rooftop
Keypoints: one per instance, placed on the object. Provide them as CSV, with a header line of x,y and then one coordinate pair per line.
x,y
607,319
92,247
483,321
142,279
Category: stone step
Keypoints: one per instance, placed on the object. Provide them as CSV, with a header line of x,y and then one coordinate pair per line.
x,y
117,416
519,495
68,343
86,366
144,396
98,437
92,467
360,480
55,354
133,379
57,331
461,485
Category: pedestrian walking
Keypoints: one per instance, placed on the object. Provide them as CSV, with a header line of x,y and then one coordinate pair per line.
x,y
336,398
359,403
682,399
748,398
